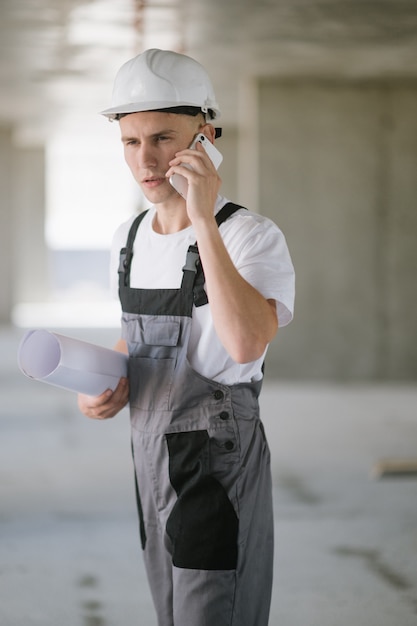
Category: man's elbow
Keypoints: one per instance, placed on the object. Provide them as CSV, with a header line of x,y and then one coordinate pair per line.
x,y
248,351
249,343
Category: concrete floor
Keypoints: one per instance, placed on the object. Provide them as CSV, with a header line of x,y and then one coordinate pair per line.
x,y
346,543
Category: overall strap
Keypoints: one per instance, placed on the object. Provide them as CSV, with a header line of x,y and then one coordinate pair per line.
x,y
126,254
193,273
226,211
193,267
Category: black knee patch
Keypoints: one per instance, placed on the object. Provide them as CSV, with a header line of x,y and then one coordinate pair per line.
x,y
203,525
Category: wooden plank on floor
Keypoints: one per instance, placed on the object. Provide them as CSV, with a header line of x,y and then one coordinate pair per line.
x,y
395,468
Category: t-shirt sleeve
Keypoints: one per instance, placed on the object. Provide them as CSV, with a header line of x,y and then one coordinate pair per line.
x,y
259,250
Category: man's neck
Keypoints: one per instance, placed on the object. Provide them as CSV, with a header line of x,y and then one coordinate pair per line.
x,y
169,220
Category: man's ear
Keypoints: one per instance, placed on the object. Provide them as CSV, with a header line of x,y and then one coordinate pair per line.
x,y
209,131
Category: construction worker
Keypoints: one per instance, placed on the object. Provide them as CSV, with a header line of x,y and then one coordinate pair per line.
x,y
204,285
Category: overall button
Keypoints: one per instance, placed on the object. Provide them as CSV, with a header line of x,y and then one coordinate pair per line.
x,y
218,394
229,445
224,415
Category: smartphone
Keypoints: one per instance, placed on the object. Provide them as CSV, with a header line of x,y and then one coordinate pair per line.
x,y
180,183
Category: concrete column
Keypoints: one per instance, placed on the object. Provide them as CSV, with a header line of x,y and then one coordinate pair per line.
x,y
30,252
319,169
401,298
6,213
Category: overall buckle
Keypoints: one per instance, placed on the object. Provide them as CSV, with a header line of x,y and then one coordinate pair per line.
x,y
191,260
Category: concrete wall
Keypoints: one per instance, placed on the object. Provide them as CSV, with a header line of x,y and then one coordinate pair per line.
x,y
338,172
6,221
31,280
23,257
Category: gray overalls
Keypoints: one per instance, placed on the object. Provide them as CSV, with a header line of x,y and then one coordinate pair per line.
x,y
201,461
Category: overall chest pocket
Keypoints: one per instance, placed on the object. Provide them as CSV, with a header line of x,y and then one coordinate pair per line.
x,y
150,330
157,332
151,381
153,346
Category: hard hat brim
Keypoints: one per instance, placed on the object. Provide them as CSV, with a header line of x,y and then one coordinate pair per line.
x,y
139,107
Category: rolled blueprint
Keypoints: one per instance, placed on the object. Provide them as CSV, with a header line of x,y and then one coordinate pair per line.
x,y
70,363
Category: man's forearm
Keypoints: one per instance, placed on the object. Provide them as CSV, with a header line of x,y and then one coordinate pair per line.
x,y
244,320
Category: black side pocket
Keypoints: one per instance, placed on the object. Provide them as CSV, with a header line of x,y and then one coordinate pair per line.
x,y
203,525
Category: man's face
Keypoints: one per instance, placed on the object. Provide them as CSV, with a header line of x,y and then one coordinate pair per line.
x,y
150,141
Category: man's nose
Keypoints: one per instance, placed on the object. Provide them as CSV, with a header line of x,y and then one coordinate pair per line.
x,y
146,156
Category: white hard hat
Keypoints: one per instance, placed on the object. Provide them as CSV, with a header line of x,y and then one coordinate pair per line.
x,y
161,79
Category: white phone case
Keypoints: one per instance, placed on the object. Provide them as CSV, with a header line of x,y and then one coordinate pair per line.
x,y
180,183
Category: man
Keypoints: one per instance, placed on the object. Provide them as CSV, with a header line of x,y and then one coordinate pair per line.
x,y
201,301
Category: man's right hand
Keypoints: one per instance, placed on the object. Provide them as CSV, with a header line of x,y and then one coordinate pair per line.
x,y
108,404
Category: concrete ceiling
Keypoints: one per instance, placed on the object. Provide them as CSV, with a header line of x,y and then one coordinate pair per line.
x,y
58,58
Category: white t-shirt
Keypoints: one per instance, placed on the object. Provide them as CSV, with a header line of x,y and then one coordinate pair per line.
x,y
258,250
